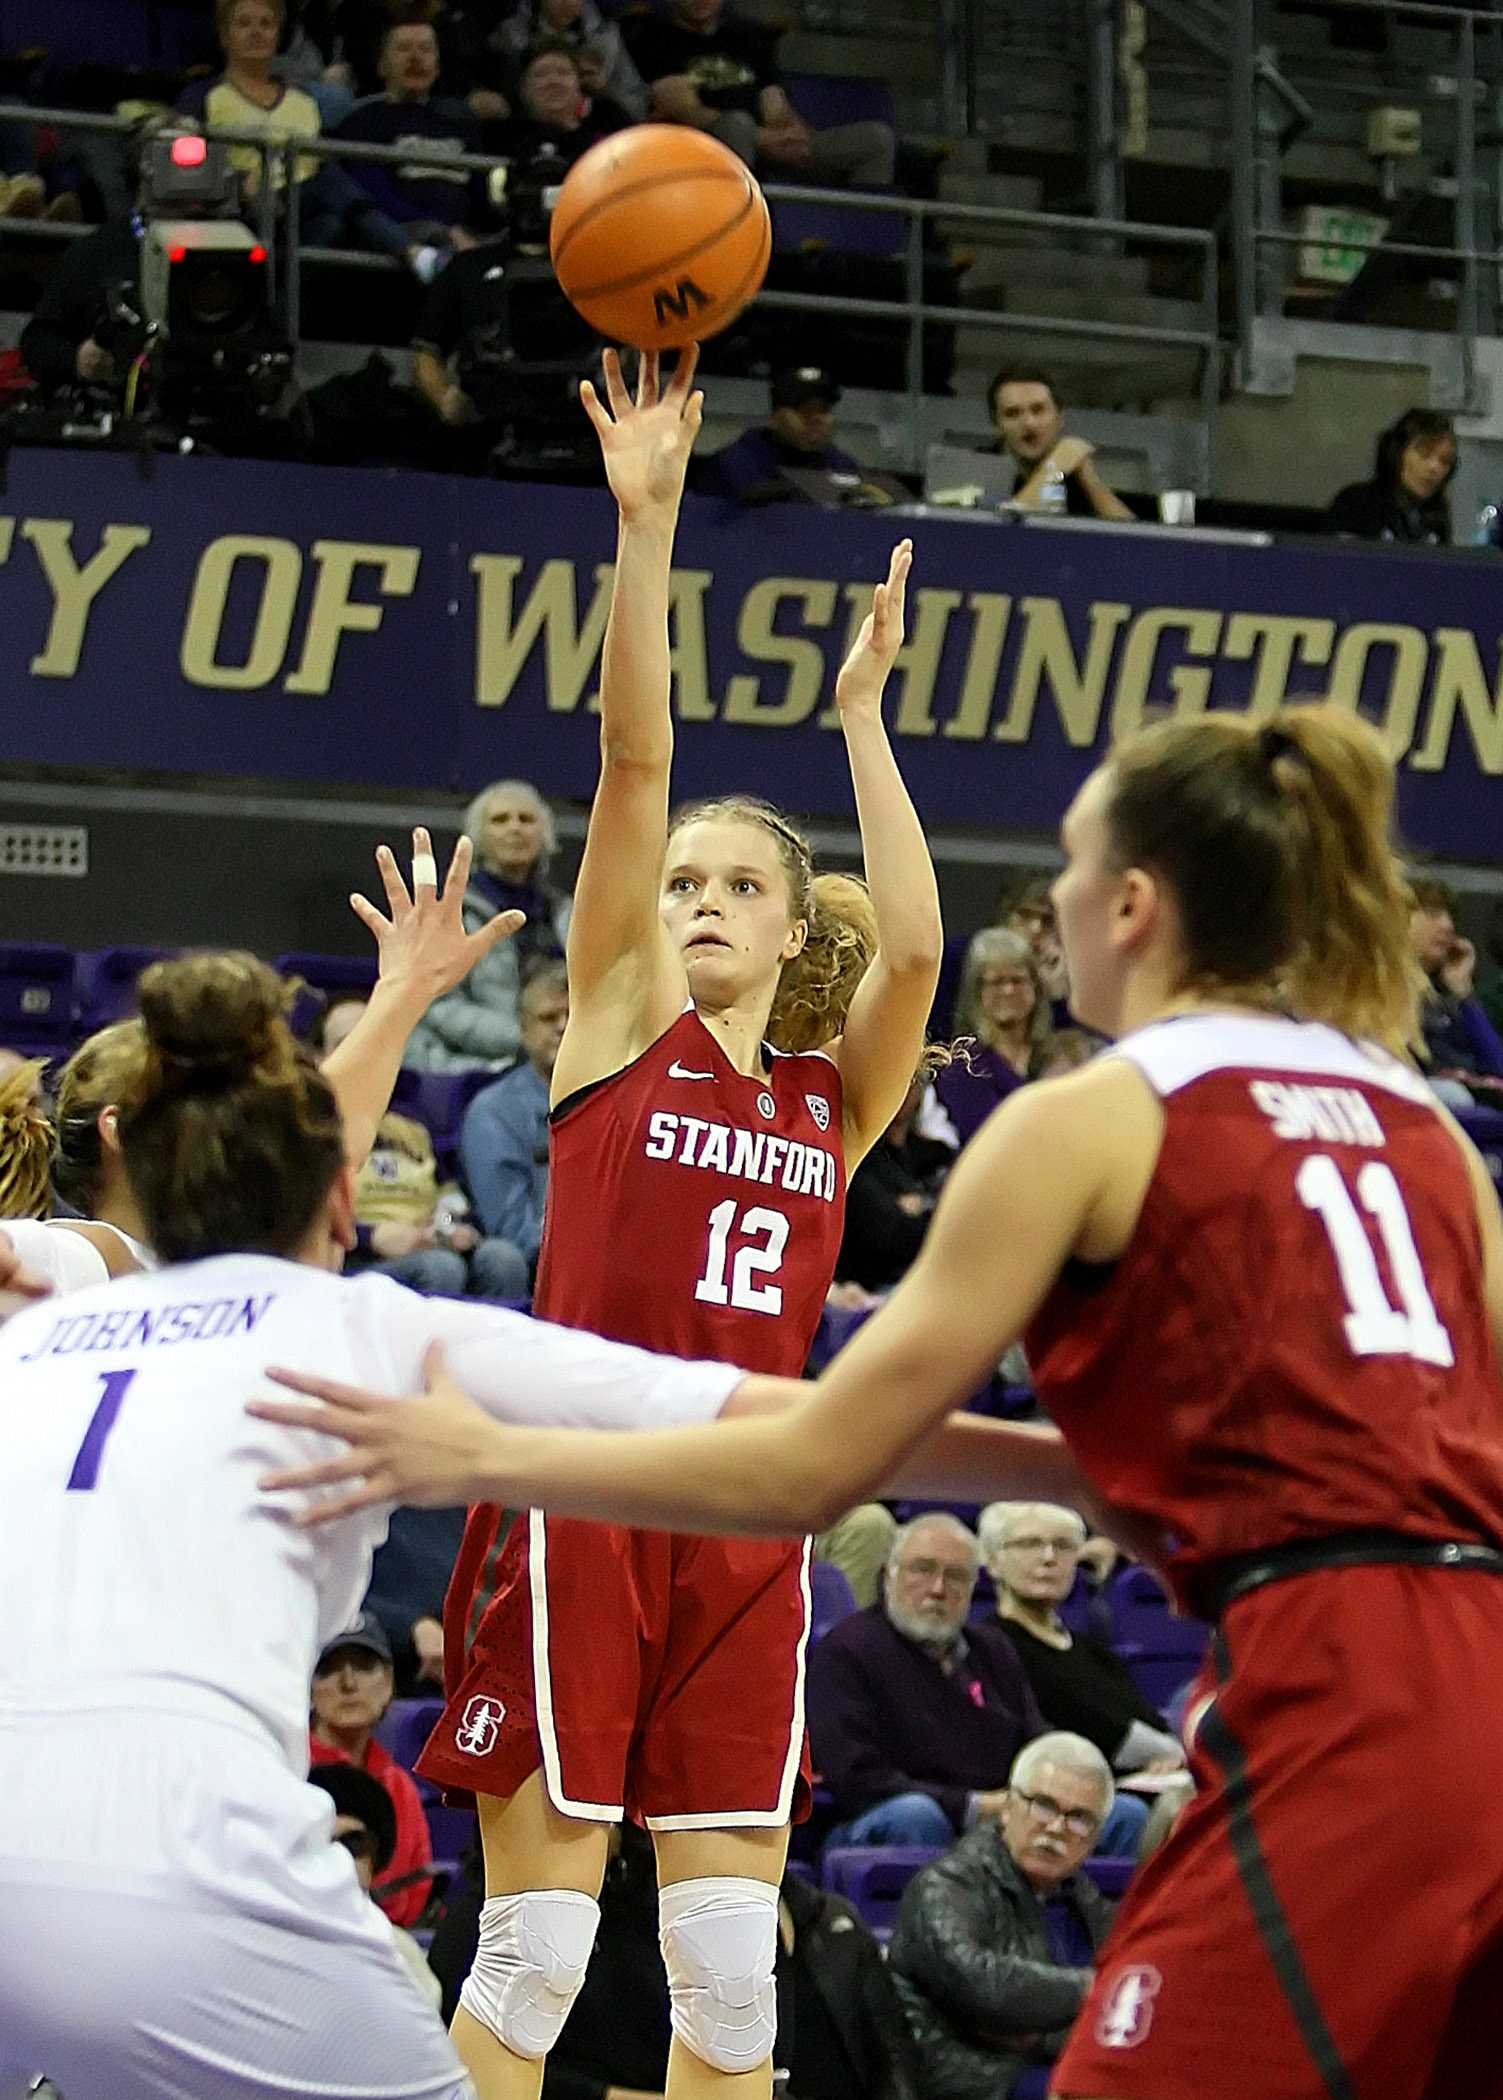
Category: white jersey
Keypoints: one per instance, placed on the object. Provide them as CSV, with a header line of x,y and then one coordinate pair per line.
x,y
143,1567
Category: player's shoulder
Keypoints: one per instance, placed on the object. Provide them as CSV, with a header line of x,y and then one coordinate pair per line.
x,y
1182,1050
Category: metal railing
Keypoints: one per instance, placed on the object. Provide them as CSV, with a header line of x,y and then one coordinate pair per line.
x,y
280,232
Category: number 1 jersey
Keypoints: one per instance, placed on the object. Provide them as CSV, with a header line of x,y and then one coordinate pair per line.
x,y
694,1210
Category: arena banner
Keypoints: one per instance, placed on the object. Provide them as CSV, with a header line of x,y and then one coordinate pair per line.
x,y
370,629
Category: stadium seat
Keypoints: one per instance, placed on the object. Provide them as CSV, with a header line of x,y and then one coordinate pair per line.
x,y
830,1598
326,977
107,983
873,1877
450,1829
38,1004
405,1726
1110,1872
438,1101
1162,1650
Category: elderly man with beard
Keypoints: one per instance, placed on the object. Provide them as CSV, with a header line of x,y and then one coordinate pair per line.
x,y
914,1716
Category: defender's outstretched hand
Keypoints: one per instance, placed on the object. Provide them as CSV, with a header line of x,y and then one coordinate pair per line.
x,y
18,1286
864,672
646,443
426,1450
423,941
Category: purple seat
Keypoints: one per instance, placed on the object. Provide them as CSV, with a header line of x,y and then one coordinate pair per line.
x,y
38,1007
873,1877
1162,1650
438,1100
107,983
450,1829
405,1726
830,1598
967,1512
1110,1872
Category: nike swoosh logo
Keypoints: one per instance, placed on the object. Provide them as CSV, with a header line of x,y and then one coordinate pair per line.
x,y
678,1071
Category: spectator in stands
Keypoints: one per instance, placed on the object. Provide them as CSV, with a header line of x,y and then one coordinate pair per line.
x,y
1461,1044
365,1824
25,1191
248,96
995,1944
603,62
555,119
1064,1050
890,1200
796,434
352,1688
1405,499
1032,1551
406,1227
409,1576
914,1717
1490,991
1002,1004
503,1141
1025,409
859,1545
707,66
480,1023
436,203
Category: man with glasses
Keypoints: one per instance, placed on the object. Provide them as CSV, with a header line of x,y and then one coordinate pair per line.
x,y
995,1943
914,1716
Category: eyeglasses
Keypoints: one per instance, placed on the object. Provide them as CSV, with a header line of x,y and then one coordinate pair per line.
x,y
1043,1808
1032,1545
954,1578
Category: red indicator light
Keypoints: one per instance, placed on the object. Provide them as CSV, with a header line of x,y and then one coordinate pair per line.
x,y
258,253
177,254
188,151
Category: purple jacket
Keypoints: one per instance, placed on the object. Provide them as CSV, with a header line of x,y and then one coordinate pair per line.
x,y
885,1719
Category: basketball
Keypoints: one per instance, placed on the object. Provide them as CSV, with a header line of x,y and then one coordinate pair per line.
x,y
660,236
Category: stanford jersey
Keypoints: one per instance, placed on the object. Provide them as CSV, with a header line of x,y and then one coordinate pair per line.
x,y
697,1211
1295,1342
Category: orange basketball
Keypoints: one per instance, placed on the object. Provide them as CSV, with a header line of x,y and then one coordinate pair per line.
x,y
660,235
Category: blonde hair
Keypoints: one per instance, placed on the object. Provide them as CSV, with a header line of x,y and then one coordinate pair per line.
x,y
817,985
25,1143
473,824
999,944
1275,843
91,1080
999,1520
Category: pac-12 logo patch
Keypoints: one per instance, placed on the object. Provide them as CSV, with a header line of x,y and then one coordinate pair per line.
x,y
480,1726
1127,2015
767,1105
819,1108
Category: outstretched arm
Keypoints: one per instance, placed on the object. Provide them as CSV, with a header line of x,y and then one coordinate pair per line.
x,y
424,951
884,1032
626,982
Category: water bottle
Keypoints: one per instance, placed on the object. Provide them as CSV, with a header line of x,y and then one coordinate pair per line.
x,y
1054,498
1488,531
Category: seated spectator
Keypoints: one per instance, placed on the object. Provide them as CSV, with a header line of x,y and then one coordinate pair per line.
x,y
503,1141
409,1577
1462,1047
352,1688
707,66
914,1717
995,1944
26,1144
796,434
405,1227
1002,1004
365,1824
1490,991
601,58
1025,408
1032,1550
480,1022
437,205
890,1200
859,1544
1405,499
554,121
248,96
1064,1050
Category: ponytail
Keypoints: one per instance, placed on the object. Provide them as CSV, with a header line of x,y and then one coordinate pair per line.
x,y
816,988
25,1143
1275,844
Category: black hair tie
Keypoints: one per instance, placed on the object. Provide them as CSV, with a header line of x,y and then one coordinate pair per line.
x,y
1274,744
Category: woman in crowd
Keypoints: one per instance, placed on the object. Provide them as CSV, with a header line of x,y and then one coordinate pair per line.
x,y
479,1023
1406,497
1032,1550
1003,1005
1261,1276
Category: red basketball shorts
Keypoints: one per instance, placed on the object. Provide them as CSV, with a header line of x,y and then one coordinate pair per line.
x,y
645,1671
1326,1922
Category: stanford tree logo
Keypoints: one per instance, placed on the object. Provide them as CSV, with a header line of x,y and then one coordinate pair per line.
x,y
1125,2018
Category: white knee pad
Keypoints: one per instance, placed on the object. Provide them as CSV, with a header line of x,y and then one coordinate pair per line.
x,y
719,1938
529,1965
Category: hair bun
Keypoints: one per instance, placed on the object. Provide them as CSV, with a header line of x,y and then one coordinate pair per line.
x,y
213,1015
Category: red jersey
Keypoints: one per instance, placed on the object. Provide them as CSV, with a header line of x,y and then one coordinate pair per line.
x,y
696,1211
1295,1341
